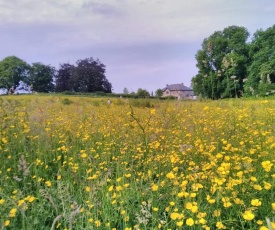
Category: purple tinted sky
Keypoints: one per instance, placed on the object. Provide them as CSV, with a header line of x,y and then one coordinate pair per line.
x,y
143,43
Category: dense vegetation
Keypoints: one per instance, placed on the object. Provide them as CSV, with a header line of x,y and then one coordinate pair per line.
x,y
80,163
229,66
88,75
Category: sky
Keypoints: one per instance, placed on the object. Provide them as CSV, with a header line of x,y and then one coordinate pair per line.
x,y
143,43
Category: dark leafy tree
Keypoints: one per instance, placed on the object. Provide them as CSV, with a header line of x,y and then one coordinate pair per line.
x,y
261,72
13,70
222,63
41,77
89,76
63,80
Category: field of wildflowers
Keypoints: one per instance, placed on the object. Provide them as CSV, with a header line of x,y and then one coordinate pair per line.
x,y
79,163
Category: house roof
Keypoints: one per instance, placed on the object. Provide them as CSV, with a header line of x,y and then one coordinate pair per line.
x,y
177,87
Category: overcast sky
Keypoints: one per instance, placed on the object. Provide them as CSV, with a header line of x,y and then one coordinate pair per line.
x,y
143,43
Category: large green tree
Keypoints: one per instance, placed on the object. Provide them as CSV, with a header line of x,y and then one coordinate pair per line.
x,y
13,70
261,72
222,63
41,77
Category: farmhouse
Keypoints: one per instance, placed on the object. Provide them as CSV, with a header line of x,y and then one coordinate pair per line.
x,y
178,90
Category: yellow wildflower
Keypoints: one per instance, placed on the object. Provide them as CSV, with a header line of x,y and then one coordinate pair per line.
x,y
174,215
155,187
248,215
48,183
170,175
7,223
190,222
20,202
256,202
13,212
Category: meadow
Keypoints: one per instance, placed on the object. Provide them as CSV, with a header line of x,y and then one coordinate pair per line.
x,y
70,162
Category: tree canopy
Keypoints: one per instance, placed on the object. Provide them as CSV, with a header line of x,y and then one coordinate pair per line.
x,y
88,75
261,72
13,70
222,63
41,77
63,78
229,66
142,93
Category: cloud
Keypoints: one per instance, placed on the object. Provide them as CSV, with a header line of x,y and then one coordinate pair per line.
x,y
142,42
103,9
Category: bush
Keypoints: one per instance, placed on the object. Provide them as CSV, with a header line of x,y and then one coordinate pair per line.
x,y
66,101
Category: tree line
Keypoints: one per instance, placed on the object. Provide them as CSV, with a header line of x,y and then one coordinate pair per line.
x,y
230,66
87,75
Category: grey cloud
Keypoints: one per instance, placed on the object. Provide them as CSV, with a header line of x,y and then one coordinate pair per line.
x,y
101,8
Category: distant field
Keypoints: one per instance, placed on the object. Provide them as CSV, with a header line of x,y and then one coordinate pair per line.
x,y
78,163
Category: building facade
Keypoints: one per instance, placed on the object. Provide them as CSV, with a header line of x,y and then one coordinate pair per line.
x,y
179,91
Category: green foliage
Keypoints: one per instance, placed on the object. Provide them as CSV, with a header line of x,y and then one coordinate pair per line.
x,y
168,98
159,92
206,164
223,55
12,71
69,92
88,75
63,78
262,55
142,93
41,77
230,67
203,164
66,101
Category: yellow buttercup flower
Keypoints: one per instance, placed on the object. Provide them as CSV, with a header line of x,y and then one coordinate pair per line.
x,y
256,202
267,165
174,215
48,183
267,185
155,187
13,212
190,222
248,215
7,223
170,175
220,225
